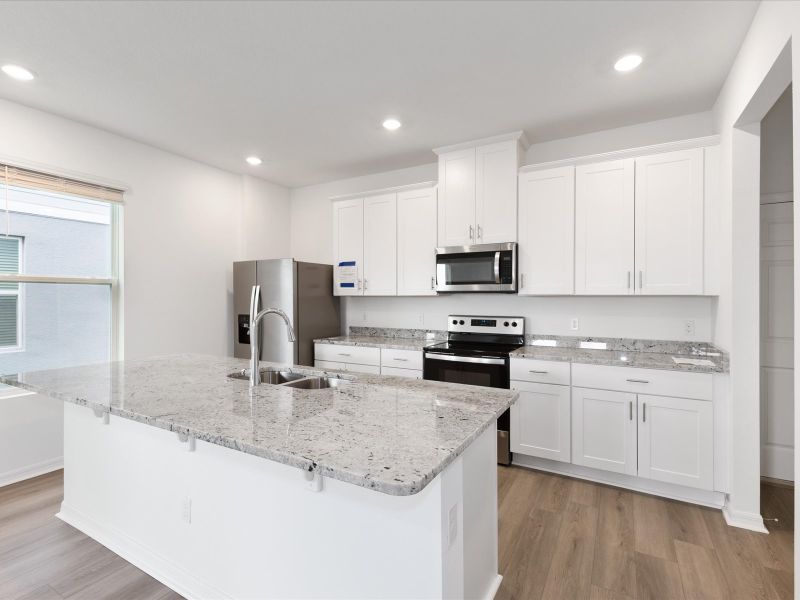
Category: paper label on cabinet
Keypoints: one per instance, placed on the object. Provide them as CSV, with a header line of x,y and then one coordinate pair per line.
x,y
347,274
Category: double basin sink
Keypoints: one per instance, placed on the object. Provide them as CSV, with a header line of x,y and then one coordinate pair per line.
x,y
287,378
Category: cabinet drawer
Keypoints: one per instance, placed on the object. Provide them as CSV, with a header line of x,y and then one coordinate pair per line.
x,y
329,364
371,369
411,373
348,354
643,381
539,371
402,359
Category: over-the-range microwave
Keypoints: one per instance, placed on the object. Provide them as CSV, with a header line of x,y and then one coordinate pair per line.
x,y
478,268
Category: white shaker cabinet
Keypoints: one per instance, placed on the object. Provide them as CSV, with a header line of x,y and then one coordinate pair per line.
x,y
380,245
496,193
546,231
676,440
540,420
457,198
416,242
669,223
348,243
604,430
604,228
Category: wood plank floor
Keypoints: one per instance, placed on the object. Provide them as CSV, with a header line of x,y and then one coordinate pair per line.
x,y
559,538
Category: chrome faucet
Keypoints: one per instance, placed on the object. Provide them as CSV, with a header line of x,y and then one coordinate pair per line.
x,y
255,319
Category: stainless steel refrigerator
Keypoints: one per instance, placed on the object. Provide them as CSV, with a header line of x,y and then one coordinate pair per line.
x,y
303,290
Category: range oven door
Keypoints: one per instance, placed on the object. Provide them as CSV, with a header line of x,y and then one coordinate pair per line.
x,y
469,370
480,268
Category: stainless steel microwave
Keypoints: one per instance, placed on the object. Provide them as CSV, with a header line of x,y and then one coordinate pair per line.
x,y
478,268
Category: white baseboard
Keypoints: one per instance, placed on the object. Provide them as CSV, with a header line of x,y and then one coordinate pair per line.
x,y
495,586
23,473
744,520
175,578
777,462
629,482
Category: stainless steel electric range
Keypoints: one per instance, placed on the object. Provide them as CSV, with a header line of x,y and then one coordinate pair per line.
x,y
477,353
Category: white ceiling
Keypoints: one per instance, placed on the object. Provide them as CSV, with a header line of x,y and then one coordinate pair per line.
x,y
305,85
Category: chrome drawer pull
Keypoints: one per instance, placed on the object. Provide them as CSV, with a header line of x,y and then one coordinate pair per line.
x,y
343,354
538,372
401,359
637,380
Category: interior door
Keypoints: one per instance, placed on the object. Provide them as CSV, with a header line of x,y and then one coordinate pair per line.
x,y
496,168
416,242
676,440
777,341
547,232
604,430
604,228
457,198
669,223
380,245
540,420
348,246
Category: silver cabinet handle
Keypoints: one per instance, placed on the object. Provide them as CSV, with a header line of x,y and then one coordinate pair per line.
x,y
629,280
343,354
640,279
538,372
471,233
400,359
638,380
433,283
480,233
359,284
365,284
644,412
630,409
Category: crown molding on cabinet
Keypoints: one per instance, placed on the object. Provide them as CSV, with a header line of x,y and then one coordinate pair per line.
x,y
518,136
389,190
701,142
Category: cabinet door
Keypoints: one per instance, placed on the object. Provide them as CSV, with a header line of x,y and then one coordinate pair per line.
x,y
416,243
540,420
604,228
669,223
604,430
547,232
496,168
676,441
348,244
380,245
457,198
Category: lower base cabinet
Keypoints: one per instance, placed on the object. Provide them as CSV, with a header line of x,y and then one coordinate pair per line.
x,y
410,373
604,430
540,420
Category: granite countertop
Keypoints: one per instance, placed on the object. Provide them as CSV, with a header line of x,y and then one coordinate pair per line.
x,y
389,434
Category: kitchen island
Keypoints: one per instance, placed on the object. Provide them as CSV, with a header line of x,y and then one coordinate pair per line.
x,y
378,487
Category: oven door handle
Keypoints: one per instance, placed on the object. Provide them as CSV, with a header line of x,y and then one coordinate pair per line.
x,y
497,267
466,359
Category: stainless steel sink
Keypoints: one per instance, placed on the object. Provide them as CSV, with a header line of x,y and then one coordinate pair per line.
x,y
317,383
272,376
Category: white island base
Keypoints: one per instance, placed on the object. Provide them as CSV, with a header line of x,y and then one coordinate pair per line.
x,y
210,522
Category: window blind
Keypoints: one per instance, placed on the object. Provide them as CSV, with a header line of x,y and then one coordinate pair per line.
x,y
26,178
9,260
9,297
8,320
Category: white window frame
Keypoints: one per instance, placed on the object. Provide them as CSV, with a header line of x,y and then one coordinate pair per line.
x,y
20,294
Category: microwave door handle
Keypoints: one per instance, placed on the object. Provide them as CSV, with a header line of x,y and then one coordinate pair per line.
x,y
497,267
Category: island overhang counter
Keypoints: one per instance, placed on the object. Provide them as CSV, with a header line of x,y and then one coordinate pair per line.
x,y
378,488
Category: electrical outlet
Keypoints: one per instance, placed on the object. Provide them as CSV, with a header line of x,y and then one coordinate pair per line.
x,y
186,510
688,327
574,324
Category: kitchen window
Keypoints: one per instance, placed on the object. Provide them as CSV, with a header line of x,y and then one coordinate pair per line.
x,y
59,272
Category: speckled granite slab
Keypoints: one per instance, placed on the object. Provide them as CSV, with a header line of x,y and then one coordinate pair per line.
x,y
389,434
616,358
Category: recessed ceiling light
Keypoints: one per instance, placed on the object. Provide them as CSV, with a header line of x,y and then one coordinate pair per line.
x,y
628,63
253,160
392,124
17,72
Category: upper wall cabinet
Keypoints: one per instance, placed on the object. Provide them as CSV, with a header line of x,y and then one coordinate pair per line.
x,y
348,244
546,231
604,201
669,223
416,242
478,191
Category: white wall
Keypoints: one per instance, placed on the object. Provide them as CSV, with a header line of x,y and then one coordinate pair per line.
x,y
657,318
183,227
776,150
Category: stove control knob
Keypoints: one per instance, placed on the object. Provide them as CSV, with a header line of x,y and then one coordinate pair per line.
x,y
506,323
461,322
455,322
514,324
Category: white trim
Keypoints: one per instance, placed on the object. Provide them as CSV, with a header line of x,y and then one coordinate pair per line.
x,y
20,278
518,136
637,484
494,587
701,142
177,579
117,295
743,520
389,190
29,471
